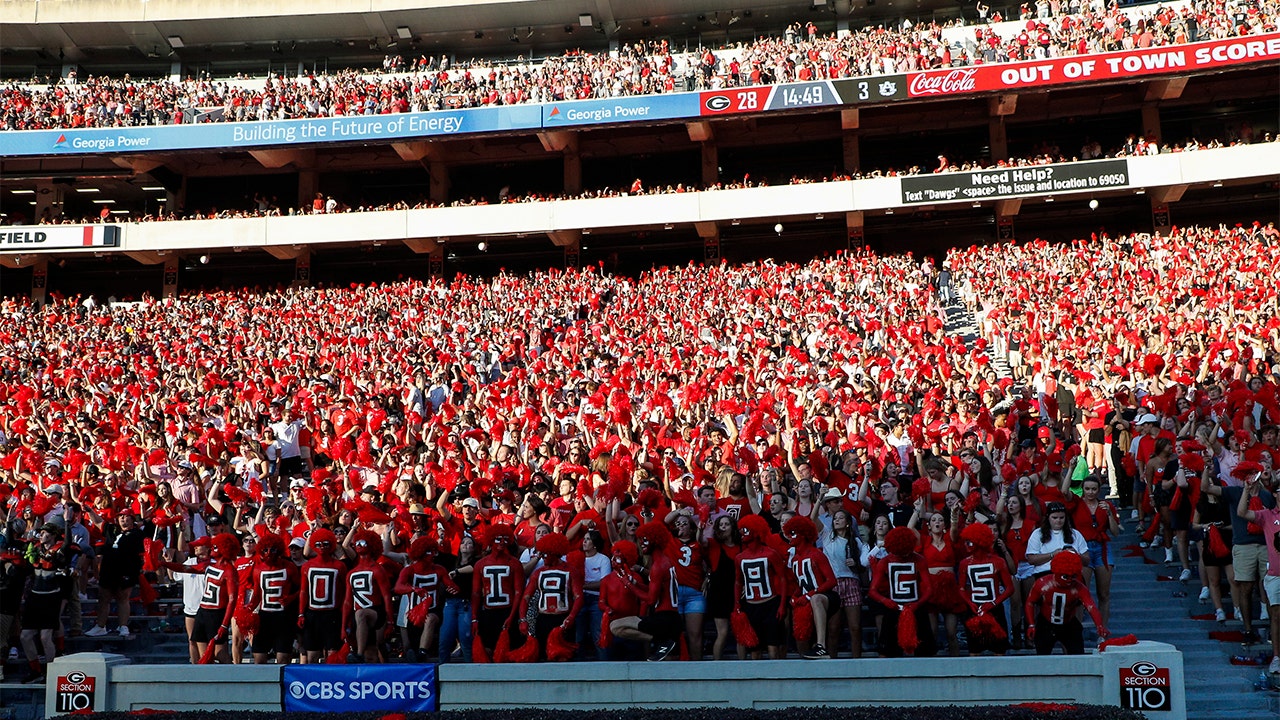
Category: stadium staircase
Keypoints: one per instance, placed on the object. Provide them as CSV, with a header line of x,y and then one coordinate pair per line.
x,y
960,321
1148,601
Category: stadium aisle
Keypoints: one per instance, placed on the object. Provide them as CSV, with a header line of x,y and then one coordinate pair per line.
x,y
1148,601
960,321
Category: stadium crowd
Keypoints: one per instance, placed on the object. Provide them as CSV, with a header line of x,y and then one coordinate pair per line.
x,y
635,69
1046,153
577,465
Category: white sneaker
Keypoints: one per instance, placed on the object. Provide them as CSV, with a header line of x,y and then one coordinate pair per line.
x,y
1185,575
123,630
1274,667
1204,595
1220,615
1236,614
96,631
1157,542
1143,544
1264,615
1133,515
1168,556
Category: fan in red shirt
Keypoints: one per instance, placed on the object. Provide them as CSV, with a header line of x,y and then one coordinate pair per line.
x,y
499,576
213,619
901,584
555,587
323,581
985,584
1053,602
273,593
760,584
367,605
691,577
421,582
661,625
815,582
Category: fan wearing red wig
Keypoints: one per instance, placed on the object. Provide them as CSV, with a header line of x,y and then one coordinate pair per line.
x,y
1053,602
324,579
422,581
985,583
273,593
493,598
213,619
555,587
662,624
760,584
621,592
815,584
901,584
367,605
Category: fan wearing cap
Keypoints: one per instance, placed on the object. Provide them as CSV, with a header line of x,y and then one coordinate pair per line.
x,y
366,605
985,583
554,590
466,520
1055,535
423,580
1053,602
493,597
815,582
41,610
760,584
662,625
221,590
324,580
273,593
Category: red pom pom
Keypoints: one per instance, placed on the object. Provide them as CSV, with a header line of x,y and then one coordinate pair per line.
x,y
1122,640
907,639
146,592
478,653
802,619
921,488
526,653
559,649
985,628
246,620
417,615
606,633
1217,547
502,650
742,630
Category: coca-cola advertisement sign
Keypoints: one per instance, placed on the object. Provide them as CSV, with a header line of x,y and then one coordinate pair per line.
x,y
1091,68
954,81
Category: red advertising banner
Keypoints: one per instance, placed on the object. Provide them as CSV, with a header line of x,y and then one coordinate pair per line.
x,y
1092,68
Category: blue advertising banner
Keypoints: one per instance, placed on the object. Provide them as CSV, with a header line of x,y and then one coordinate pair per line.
x,y
402,687
621,110
272,133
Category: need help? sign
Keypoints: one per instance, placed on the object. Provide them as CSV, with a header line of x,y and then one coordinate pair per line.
x,y
360,688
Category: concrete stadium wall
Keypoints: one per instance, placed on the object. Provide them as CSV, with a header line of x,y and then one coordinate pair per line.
x,y
1093,679
1258,161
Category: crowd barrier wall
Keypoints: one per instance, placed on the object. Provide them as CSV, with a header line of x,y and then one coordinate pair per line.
x,y
1246,162
1098,678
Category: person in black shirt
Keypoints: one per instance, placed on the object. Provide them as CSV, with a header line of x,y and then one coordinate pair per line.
x,y
889,504
13,578
122,549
